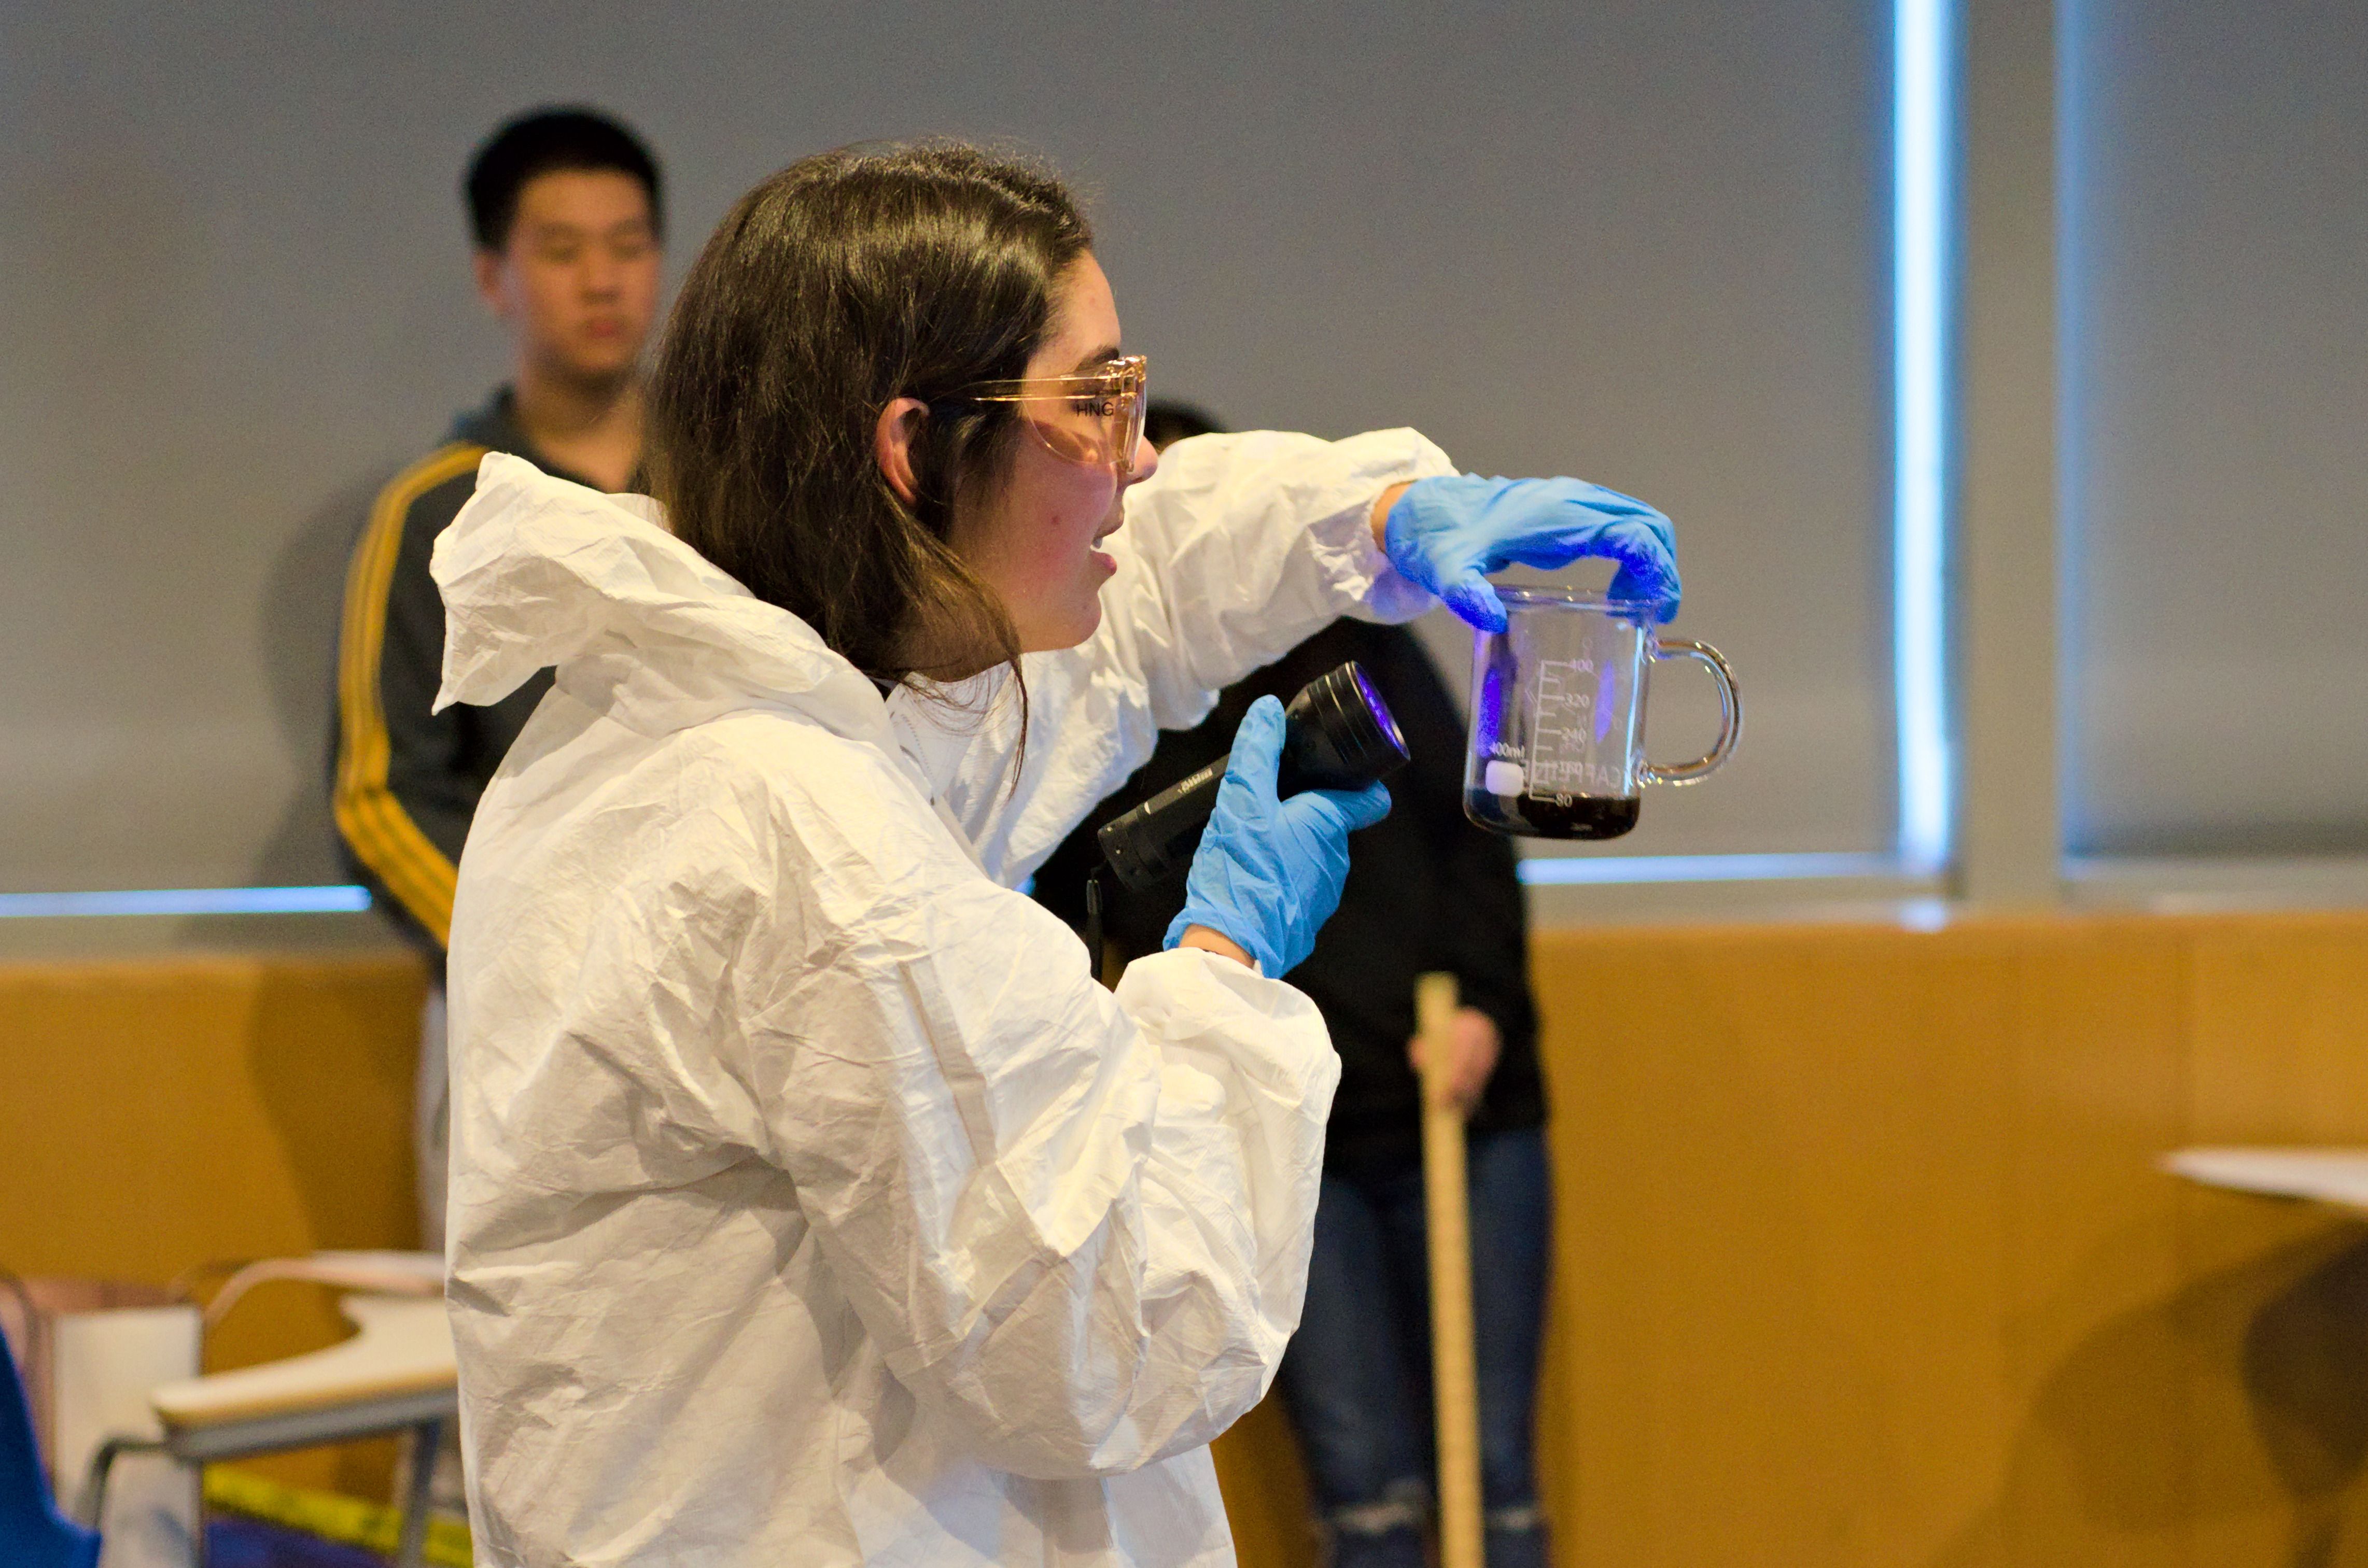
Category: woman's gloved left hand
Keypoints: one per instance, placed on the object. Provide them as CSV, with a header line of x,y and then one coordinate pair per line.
x,y
1268,873
1448,533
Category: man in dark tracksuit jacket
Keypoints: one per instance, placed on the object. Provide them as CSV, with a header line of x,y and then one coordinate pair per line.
x,y
407,778
563,206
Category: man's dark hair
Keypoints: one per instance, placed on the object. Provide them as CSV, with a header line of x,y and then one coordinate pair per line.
x,y
847,280
1167,421
539,142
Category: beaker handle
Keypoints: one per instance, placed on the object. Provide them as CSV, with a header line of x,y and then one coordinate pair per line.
x,y
1730,713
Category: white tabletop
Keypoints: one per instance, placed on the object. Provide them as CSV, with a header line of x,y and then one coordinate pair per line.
x,y
404,1347
2322,1174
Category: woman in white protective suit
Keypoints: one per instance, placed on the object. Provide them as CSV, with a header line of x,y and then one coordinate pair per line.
x,y
811,1202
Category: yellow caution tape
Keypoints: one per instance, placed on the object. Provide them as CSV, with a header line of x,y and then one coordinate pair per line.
x,y
332,1516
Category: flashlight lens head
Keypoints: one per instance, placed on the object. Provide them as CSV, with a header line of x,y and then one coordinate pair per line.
x,y
1377,708
1341,734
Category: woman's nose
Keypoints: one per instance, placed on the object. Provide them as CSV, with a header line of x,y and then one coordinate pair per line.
x,y
1146,460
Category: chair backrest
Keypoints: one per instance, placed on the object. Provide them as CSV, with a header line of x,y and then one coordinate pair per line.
x,y
32,1533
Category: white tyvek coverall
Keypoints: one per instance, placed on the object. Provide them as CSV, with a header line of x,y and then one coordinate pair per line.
x,y
811,1203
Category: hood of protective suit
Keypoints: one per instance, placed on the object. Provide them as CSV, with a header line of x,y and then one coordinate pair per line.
x,y
640,627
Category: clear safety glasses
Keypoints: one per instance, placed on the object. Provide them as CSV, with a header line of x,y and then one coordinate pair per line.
x,y
1093,417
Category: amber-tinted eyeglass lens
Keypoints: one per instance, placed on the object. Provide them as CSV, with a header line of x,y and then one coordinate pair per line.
x,y
1095,418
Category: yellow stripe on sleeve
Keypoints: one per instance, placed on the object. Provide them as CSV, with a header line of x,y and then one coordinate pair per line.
x,y
380,832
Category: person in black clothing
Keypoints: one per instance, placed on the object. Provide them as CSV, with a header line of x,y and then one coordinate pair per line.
x,y
1426,890
565,214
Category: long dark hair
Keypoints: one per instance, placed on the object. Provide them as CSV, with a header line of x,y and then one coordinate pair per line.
x,y
847,280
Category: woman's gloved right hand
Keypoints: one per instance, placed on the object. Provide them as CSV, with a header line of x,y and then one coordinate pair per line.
x,y
1268,872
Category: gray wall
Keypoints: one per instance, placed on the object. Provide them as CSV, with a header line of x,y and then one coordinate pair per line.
x,y
1636,242
2216,650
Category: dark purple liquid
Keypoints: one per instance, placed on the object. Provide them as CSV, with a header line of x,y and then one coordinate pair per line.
x,y
1587,816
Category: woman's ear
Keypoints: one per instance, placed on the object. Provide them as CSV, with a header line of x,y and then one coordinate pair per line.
x,y
891,445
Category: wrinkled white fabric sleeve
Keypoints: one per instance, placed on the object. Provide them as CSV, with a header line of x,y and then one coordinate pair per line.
x,y
1076,1223
1239,549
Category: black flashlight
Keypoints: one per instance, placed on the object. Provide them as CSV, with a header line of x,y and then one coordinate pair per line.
x,y
1338,736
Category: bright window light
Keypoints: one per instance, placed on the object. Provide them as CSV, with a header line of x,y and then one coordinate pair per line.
x,y
1573,870
186,901
1923,113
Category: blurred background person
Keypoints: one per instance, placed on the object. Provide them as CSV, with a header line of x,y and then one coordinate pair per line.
x,y
1426,889
566,215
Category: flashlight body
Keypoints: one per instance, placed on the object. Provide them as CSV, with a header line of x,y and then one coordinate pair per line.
x,y
1337,734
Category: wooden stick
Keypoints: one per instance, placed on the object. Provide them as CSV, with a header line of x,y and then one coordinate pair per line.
x,y
1454,1383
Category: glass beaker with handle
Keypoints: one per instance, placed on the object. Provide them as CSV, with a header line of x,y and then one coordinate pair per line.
x,y
1556,745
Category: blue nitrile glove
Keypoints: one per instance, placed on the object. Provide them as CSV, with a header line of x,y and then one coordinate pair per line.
x,y
1268,872
1447,534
